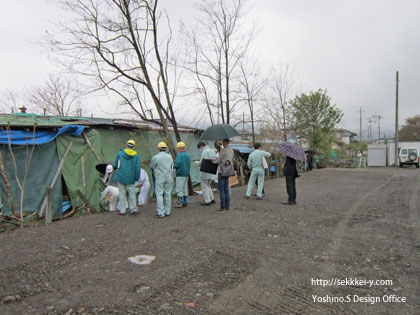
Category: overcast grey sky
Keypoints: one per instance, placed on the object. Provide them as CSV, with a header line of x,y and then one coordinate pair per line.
x,y
352,48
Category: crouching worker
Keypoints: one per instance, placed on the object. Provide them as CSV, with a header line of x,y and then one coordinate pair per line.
x,y
182,166
111,191
162,166
144,186
127,164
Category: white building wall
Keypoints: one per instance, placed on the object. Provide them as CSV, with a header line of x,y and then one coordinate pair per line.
x,y
377,154
345,140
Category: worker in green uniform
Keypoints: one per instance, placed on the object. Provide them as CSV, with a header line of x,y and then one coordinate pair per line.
x,y
255,163
127,164
182,166
162,166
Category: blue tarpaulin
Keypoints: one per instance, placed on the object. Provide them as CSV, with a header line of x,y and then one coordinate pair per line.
x,y
21,137
66,206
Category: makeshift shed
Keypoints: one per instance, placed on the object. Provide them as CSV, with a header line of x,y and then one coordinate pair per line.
x,y
377,154
98,140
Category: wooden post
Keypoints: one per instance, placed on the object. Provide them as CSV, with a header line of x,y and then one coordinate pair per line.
x,y
91,147
241,171
60,166
190,186
48,214
86,201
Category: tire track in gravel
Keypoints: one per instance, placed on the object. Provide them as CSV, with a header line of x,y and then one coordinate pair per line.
x,y
339,234
414,210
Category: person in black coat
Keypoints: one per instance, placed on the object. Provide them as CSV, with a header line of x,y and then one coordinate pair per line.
x,y
290,172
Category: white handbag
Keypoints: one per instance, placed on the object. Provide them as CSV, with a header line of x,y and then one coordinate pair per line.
x,y
264,162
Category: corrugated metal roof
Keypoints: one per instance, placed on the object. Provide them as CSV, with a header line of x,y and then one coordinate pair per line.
x,y
57,121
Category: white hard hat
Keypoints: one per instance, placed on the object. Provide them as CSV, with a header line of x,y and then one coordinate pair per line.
x,y
109,168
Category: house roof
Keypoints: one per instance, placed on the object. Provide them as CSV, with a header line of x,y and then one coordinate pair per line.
x,y
345,132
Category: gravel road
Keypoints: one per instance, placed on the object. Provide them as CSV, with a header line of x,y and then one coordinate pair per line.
x,y
261,257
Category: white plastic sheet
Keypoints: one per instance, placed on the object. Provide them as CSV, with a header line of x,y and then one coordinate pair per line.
x,y
141,259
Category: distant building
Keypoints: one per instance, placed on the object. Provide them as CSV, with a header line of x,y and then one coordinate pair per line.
x,y
245,135
343,136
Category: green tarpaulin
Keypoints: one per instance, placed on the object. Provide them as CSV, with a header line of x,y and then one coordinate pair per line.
x,y
79,168
43,165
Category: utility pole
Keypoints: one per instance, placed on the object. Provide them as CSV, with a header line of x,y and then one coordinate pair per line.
x,y
396,121
243,125
360,111
378,117
370,129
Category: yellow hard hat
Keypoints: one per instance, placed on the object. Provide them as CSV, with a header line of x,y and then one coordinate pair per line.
x,y
131,143
180,145
162,145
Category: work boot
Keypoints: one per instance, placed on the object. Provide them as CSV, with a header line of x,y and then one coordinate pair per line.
x,y
179,202
185,203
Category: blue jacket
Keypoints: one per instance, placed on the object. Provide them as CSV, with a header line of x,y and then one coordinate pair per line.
x,y
128,170
183,164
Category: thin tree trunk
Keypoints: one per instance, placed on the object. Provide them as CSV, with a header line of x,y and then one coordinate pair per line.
x,y
7,186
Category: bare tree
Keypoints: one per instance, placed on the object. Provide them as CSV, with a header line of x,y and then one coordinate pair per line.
x,y
252,87
278,116
21,182
7,187
117,43
218,44
59,96
11,100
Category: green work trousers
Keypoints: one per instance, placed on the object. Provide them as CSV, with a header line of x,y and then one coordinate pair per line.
x,y
163,192
257,173
123,189
181,186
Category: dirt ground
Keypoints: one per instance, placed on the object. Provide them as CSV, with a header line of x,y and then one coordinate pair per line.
x,y
261,257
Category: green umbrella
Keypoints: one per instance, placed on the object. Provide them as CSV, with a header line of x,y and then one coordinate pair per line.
x,y
220,131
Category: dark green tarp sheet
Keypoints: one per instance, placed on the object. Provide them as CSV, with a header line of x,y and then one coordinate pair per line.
x,y
43,165
79,168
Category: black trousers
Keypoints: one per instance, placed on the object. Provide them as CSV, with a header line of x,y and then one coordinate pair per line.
x,y
291,188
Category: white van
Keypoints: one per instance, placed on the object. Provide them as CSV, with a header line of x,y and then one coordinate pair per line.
x,y
409,156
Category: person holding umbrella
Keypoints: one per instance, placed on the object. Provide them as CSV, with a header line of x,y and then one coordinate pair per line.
x,y
290,172
224,160
293,152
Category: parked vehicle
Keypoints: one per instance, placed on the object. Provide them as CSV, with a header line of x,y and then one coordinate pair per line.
x,y
409,156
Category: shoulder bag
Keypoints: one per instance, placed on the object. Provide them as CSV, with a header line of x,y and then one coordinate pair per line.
x,y
227,169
